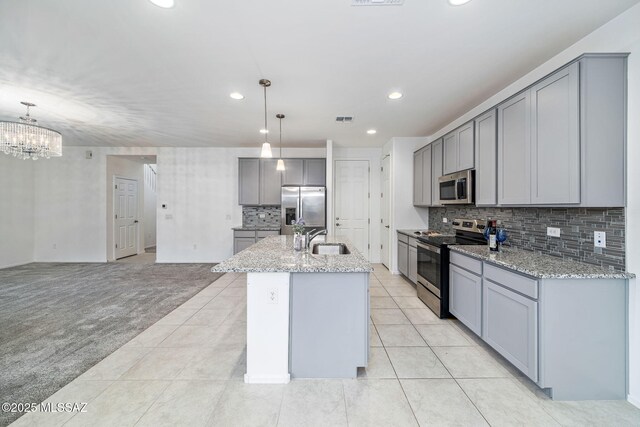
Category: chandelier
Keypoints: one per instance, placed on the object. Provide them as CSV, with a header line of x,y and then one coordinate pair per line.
x,y
26,140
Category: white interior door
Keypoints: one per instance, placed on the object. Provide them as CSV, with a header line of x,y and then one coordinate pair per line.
x,y
352,202
385,207
125,211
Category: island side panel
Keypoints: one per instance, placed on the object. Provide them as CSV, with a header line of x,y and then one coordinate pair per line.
x,y
267,328
583,338
329,324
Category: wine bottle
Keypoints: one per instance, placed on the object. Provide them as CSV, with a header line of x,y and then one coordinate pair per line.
x,y
493,231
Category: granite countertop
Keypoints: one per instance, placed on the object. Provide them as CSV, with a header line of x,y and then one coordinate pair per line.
x,y
539,265
257,228
275,254
410,233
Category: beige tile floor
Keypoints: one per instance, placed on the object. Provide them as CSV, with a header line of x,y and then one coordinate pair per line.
x,y
187,370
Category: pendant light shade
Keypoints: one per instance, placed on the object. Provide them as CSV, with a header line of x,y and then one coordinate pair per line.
x,y
266,147
280,165
266,150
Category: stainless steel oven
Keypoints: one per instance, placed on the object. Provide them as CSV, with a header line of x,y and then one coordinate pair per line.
x,y
457,188
429,276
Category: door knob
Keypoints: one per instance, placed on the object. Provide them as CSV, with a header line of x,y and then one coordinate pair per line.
x,y
135,222
337,224
337,218
386,226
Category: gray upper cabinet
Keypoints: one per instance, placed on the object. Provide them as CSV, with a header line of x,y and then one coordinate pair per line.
x,y
603,88
555,143
458,149
270,182
450,150
315,171
426,175
422,177
417,178
293,172
436,171
486,158
249,181
514,150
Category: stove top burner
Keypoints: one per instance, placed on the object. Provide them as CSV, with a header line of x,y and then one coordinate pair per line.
x,y
427,233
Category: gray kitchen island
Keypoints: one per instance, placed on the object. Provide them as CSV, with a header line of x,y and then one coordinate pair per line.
x,y
307,314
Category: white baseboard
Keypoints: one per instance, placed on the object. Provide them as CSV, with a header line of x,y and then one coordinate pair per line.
x,y
635,401
284,379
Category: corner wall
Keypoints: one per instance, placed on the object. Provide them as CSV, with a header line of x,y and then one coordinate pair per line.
x,y
16,207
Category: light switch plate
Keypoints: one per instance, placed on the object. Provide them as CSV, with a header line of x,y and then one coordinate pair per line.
x,y
445,220
599,239
553,231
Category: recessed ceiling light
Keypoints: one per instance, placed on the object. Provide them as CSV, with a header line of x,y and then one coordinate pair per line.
x,y
458,2
395,95
264,130
167,4
236,95
372,131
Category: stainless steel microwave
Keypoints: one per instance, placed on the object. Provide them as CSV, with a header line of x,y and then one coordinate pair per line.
x,y
457,188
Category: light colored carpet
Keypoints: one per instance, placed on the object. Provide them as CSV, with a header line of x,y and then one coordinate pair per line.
x,y
58,320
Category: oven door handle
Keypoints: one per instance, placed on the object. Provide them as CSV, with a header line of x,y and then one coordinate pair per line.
x,y
428,248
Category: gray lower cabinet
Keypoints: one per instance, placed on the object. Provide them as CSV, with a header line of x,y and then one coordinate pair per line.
x,y
403,254
293,172
436,171
242,239
510,326
249,181
315,172
486,159
465,297
413,262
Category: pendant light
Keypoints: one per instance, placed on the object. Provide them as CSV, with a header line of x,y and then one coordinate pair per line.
x,y
280,165
266,147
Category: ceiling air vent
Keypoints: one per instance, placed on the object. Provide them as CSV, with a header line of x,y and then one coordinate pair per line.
x,y
377,2
344,119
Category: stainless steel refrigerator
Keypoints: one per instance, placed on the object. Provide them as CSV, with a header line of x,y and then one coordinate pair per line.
x,y
306,202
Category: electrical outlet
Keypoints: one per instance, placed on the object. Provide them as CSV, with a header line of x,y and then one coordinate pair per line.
x,y
445,220
272,296
262,216
599,239
553,232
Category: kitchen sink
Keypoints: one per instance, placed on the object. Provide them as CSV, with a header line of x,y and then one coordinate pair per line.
x,y
330,249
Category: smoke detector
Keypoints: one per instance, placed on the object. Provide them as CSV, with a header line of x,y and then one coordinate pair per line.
x,y
377,2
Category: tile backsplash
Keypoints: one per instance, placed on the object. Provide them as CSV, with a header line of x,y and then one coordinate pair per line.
x,y
527,229
251,216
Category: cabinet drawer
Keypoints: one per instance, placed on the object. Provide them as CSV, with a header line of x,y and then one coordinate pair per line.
x,y
517,282
265,233
403,238
464,261
244,233
413,243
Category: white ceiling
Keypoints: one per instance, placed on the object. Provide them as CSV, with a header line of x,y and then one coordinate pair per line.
x,y
127,73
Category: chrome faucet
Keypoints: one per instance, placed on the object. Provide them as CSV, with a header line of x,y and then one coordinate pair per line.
x,y
312,235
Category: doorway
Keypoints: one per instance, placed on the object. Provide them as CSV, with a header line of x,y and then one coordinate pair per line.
x,y
385,208
351,202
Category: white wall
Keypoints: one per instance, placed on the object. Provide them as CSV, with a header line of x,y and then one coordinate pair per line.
x,y
622,34
200,188
71,205
373,156
123,167
16,210
150,205
403,215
